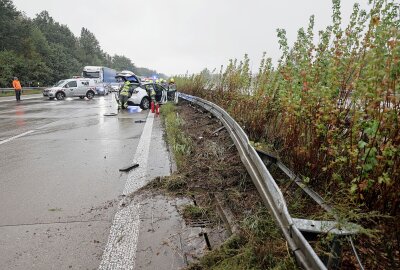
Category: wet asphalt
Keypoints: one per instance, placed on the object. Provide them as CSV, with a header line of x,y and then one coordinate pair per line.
x,y
59,179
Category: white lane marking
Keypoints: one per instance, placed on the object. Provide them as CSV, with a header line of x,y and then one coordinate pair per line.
x,y
16,136
120,251
137,178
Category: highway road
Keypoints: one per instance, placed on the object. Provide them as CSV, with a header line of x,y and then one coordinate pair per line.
x,y
60,184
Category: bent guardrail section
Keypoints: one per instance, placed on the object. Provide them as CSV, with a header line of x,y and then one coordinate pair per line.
x,y
266,186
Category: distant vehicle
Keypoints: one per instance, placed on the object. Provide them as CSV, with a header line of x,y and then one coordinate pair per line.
x,y
72,88
103,76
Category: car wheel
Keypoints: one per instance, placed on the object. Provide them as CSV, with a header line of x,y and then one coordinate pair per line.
x,y
60,96
81,97
145,104
90,94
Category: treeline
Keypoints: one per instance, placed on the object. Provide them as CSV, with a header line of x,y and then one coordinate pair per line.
x,y
41,51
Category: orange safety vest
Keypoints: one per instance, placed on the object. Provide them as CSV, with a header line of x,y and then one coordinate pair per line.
x,y
17,85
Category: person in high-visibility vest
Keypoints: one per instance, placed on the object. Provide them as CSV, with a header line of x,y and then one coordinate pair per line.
x,y
153,94
17,87
124,95
171,85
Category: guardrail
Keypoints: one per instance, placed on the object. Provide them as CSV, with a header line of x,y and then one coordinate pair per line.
x,y
271,194
23,89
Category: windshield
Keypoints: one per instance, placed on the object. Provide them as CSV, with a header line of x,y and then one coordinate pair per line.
x,y
94,74
59,83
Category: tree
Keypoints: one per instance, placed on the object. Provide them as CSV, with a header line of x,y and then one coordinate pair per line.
x,y
120,62
90,49
43,50
8,15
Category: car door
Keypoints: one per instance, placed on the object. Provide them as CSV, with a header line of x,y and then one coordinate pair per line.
x,y
71,88
159,91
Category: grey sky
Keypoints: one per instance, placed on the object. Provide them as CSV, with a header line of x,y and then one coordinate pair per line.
x,y
175,36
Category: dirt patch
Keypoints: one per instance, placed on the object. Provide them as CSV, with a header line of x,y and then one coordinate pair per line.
x,y
213,169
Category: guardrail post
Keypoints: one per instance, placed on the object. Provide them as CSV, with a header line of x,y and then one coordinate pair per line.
x,y
336,252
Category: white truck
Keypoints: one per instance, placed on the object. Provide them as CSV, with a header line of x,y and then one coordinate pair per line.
x,y
103,76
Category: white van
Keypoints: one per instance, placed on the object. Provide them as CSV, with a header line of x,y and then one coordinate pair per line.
x,y
72,88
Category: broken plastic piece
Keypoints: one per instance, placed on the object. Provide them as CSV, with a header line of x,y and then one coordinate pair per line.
x,y
128,168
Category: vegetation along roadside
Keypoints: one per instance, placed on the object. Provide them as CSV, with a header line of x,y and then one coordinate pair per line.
x,y
330,111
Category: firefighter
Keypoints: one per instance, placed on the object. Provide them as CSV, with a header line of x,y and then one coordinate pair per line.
x,y
164,83
171,85
124,95
153,94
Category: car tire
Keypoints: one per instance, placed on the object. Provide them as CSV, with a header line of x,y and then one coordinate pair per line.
x,y
90,94
81,97
60,96
145,103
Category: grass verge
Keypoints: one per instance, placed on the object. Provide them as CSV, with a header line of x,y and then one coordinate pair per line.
x,y
209,164
180,143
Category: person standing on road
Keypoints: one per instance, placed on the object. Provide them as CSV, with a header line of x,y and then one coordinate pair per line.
x,y
124,95
17,88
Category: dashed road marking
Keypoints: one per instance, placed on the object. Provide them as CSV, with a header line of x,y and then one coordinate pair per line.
x,y
16,137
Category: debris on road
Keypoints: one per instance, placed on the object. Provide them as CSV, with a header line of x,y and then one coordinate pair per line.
x,y
129,167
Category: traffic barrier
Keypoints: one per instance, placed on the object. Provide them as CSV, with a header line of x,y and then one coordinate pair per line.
x,y
273,198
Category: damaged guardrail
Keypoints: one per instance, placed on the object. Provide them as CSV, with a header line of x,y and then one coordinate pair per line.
x,y
271,194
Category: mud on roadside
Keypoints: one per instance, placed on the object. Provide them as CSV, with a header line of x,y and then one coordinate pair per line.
x,y
222,196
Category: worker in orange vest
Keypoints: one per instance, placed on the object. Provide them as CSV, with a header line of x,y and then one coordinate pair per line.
x,y
17,87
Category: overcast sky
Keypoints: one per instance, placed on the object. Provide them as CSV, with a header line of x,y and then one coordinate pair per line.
x,y
175,36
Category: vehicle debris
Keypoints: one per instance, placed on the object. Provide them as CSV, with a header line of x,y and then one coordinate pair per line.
x,y
129,167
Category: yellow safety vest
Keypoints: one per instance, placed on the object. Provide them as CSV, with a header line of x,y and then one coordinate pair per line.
x,y
125,89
